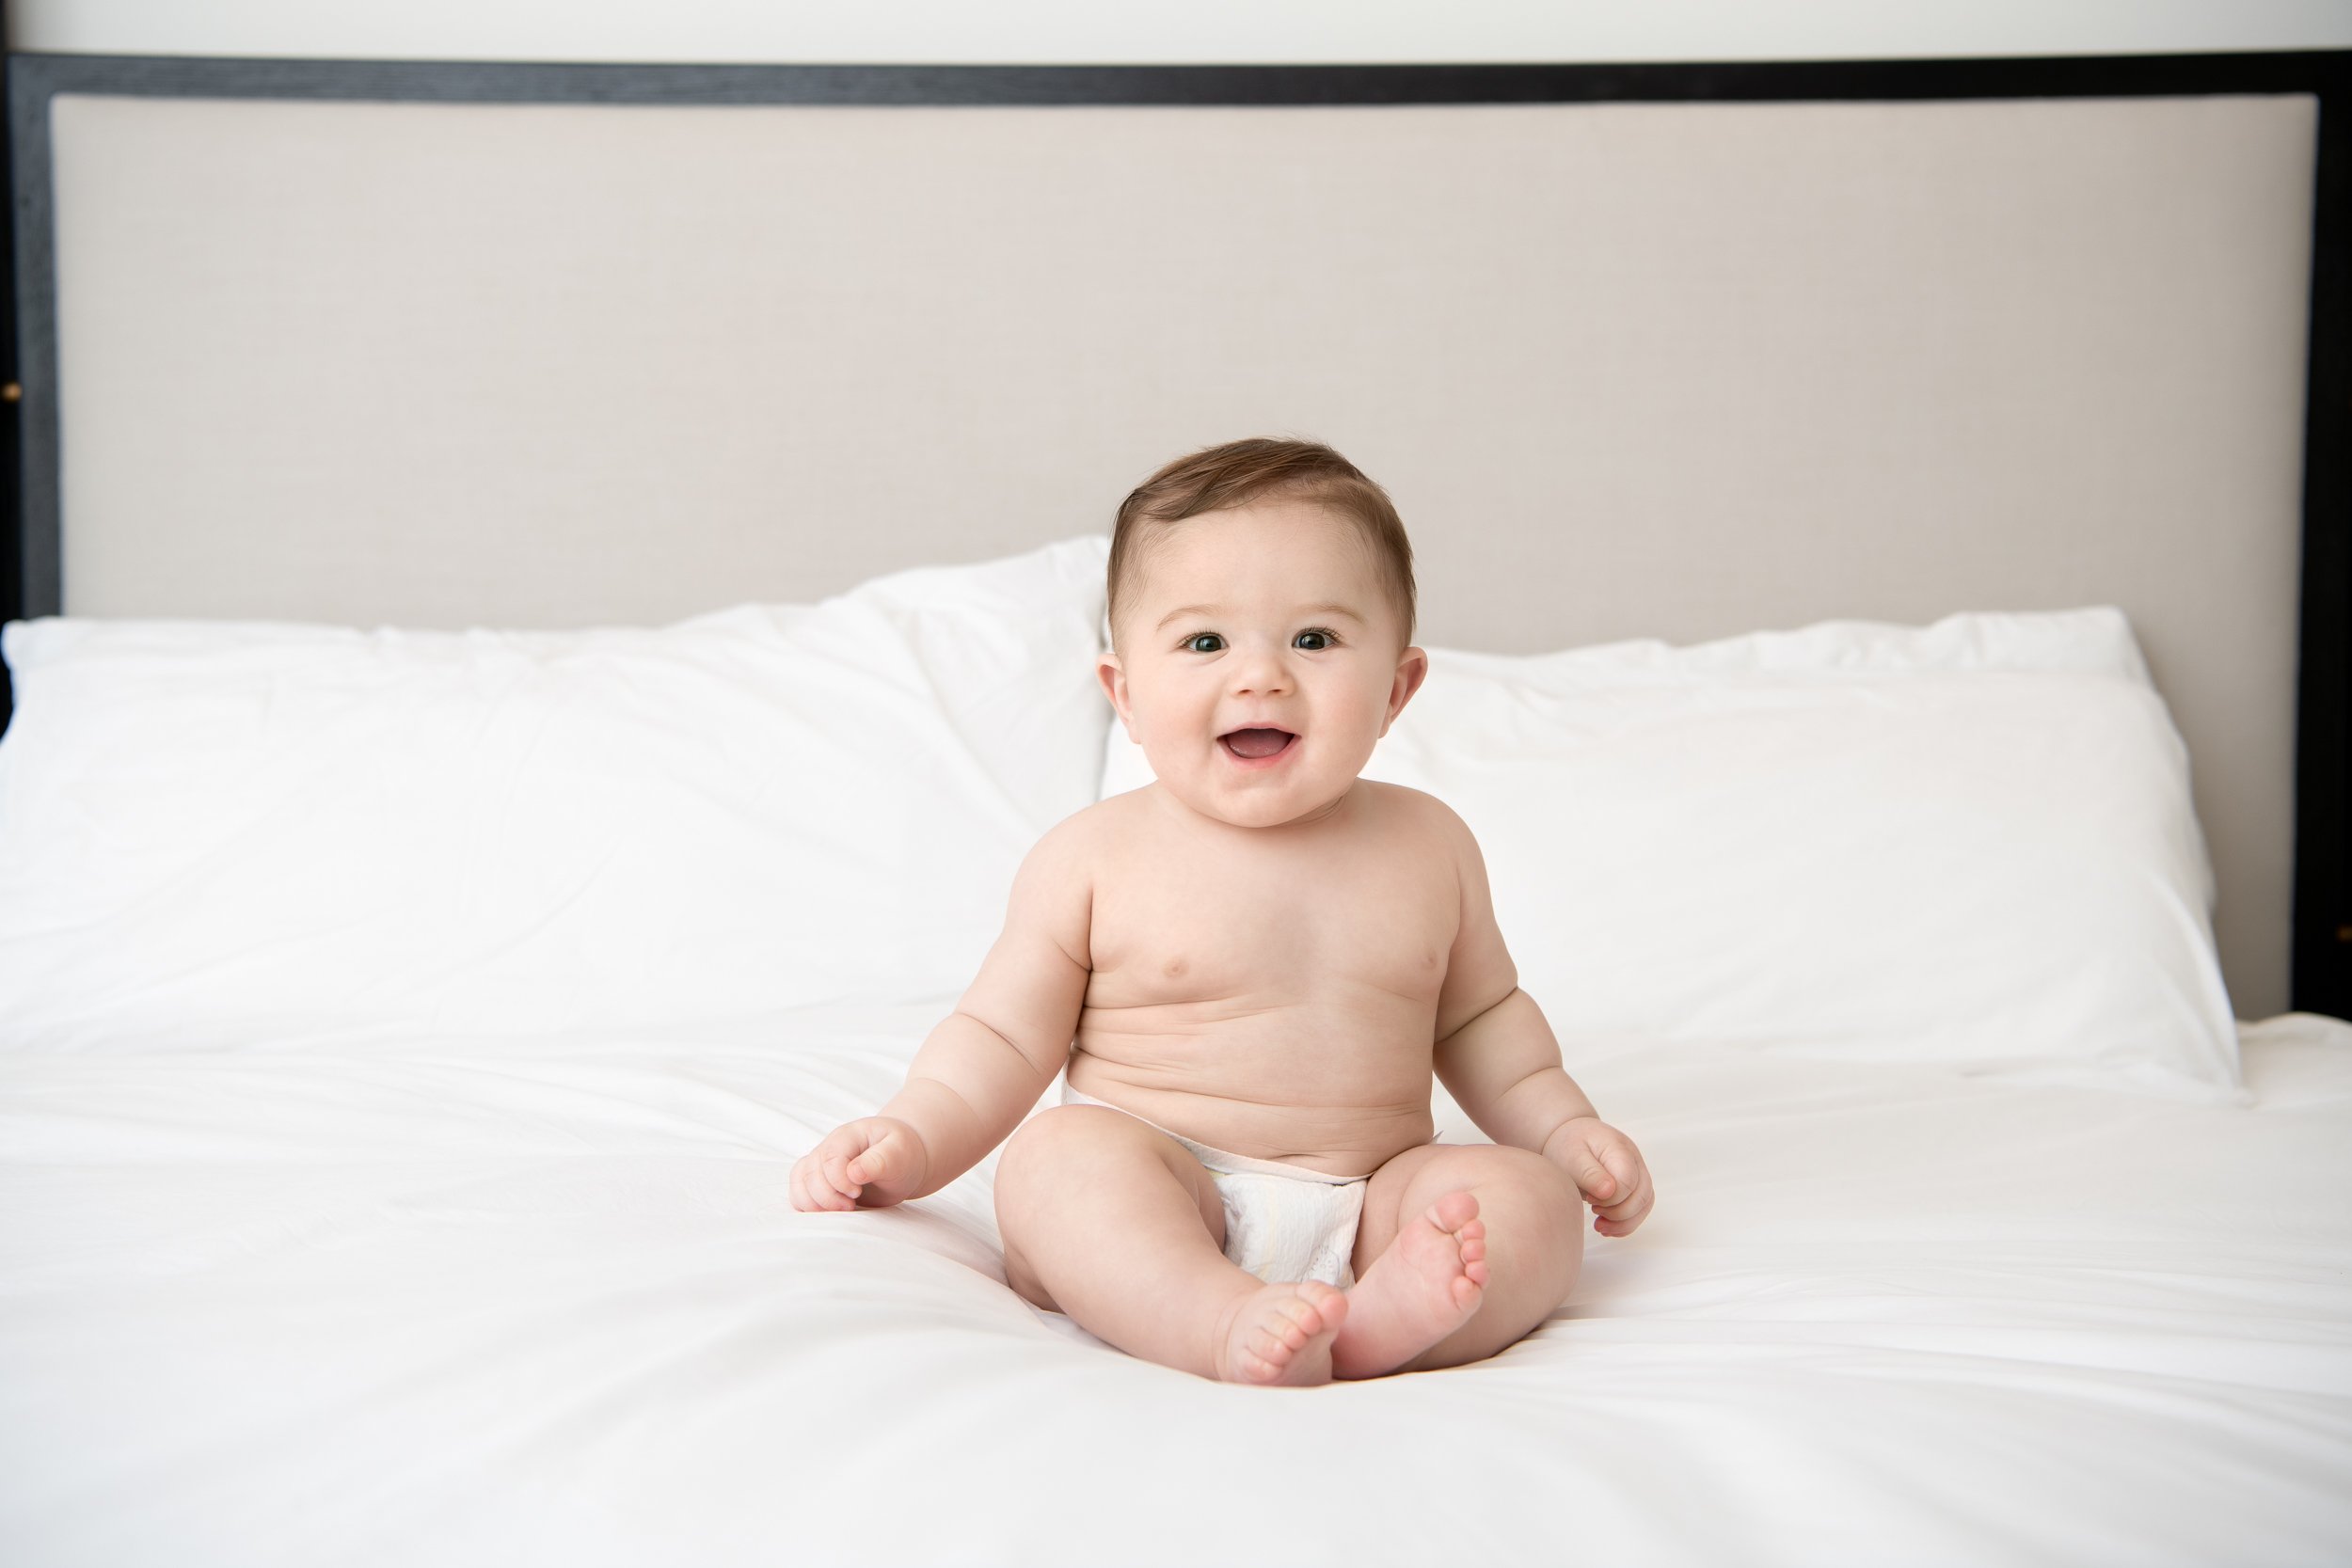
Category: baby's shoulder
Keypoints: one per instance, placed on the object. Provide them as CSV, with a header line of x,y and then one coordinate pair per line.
x,y
1420,818
1416,806
1055,883
1082,838
1105,817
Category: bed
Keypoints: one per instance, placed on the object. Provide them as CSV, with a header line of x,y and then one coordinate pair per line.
x,y
554,598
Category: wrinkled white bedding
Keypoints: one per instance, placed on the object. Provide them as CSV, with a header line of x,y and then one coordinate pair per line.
x,y
551,1304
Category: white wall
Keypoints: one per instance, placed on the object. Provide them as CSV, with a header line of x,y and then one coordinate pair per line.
x,y
1171,31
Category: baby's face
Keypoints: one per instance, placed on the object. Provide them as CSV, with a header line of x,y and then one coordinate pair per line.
x,y
1252,625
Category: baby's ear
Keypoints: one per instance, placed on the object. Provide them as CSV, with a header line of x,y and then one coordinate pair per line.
x,y
1413,668
1114,678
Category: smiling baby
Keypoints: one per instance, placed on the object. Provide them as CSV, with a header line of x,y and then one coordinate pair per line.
x,y
1249,970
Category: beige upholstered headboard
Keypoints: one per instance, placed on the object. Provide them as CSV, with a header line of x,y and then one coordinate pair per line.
x,y
1679,369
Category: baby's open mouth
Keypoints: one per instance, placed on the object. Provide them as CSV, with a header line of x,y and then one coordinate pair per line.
x,y
1255,744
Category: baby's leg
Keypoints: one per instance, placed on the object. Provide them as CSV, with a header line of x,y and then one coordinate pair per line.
x,y
1108,1219
1463,1249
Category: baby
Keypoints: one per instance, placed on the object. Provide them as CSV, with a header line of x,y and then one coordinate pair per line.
x,y
1248,970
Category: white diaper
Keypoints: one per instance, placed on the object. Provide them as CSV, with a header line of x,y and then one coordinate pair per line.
x,y
1282,1222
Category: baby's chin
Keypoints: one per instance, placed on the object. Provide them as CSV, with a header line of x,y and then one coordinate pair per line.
x,y
1261,808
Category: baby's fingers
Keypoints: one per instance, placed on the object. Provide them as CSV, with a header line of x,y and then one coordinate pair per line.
x,y
1594,1180
809,1191
1611,1173
878,1163
838,1177
1623,1175
884,1161
894,1164
1619,1219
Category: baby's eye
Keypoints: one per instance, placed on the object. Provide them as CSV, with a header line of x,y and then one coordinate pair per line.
x,y
1197,638
1323,639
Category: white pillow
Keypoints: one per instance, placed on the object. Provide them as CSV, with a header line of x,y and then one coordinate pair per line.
x,y
1971,842
218,835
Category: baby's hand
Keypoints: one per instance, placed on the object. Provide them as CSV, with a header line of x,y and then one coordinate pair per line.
x,y
1608,1170
871,1162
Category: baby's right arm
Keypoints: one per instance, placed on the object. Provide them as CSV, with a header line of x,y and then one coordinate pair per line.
x,y
984,1066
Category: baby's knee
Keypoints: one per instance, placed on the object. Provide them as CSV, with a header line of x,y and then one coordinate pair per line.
x,y
1541,1183
1536,1216
1049,1143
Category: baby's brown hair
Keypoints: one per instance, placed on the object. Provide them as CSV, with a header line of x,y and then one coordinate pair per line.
x,y
1264,469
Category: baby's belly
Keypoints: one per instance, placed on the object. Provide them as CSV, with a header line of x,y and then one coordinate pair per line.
x,y
1336,1092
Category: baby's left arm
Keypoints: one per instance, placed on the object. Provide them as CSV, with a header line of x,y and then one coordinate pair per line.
x,y
1497,1058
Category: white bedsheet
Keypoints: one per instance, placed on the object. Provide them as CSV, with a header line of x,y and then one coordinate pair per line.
x,y
432,1304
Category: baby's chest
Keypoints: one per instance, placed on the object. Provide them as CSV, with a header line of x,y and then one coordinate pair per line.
x,y
1190,935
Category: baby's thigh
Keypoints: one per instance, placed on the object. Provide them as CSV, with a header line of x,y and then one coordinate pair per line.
x,y
1071,1168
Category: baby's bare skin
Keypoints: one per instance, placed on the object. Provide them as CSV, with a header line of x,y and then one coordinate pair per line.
x,y
1271,994
1270,957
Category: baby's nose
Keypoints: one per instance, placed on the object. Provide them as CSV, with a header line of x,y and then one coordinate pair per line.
x,y
1260,677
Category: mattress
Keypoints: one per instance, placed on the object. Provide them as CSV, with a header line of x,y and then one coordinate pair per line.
x,y
419,1300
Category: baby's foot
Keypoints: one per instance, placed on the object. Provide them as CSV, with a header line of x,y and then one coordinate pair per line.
x,y
1282,1334
1423,1288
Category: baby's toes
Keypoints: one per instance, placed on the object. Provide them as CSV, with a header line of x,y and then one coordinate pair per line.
x,y
1316,1308
1281,1335
1319,1307
1456,1211
1264,1361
